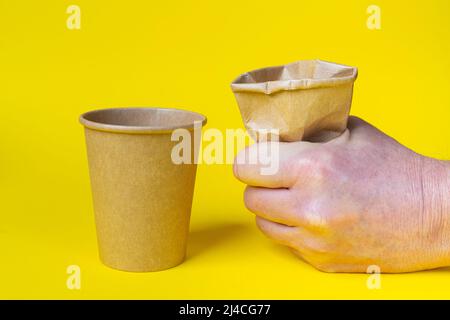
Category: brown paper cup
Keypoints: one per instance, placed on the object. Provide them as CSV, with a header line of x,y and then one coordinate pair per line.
x,y
304,100
142,200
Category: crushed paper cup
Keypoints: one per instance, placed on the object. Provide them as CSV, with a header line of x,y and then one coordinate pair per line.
x,y
305,100
142,200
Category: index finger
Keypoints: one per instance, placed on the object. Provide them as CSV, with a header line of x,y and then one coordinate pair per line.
x,y
269,164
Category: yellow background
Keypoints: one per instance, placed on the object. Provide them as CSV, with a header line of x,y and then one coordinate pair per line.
x,y
185,54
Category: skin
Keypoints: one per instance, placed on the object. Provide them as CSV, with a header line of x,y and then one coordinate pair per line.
x,y
361,199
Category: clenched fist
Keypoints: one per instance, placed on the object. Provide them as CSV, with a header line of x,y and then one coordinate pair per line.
x,y
361,199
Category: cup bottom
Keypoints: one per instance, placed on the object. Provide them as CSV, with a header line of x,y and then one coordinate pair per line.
x,y
141,269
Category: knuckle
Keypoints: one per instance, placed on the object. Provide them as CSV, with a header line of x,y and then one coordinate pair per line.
x,y
315,221
319,164
315,217
321,215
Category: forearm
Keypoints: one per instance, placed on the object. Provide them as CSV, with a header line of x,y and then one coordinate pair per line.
x,y
446,188
436,206
446,209
446,200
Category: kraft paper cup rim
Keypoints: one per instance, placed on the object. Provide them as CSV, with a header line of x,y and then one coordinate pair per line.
x,y
246,82
118,124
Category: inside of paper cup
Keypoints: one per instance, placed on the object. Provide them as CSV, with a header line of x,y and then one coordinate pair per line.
x,y
305,69
141,119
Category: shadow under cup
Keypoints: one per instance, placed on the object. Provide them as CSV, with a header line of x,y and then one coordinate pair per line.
x,y
142,199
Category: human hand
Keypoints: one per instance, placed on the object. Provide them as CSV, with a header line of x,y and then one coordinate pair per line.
x,y
361,199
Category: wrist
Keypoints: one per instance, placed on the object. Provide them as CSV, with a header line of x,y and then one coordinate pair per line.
x,y
435,180
446,198
446,209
